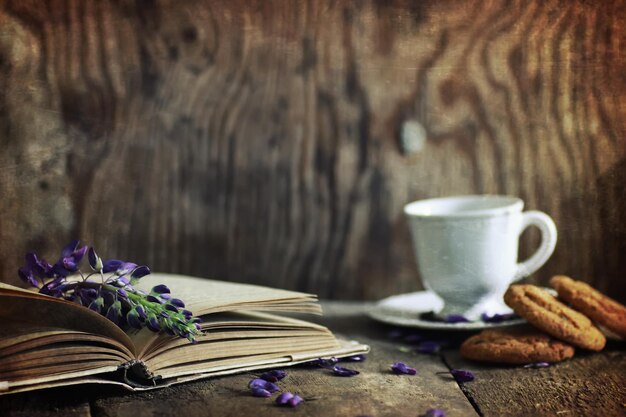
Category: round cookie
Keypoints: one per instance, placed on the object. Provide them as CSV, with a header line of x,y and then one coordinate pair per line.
x,y
515,345
545,312
598,307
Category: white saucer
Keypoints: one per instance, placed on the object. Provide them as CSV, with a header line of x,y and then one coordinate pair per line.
x,y
405,310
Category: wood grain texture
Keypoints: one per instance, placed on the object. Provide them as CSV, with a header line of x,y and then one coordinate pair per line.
x,y
587,385
259,141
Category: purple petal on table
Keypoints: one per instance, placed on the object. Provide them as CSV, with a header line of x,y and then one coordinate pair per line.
x,y
260,392
261,383
403,368
455,318
325,362
537,365
341,371
273,375
284,398
434,412
428,346
462,375
354,358
295,401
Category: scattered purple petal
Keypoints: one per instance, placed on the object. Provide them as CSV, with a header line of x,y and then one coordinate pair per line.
x,y
261,383
462,375
537,365
455,318
260,392
283,399
341,371
325,362
274,375
402,368
434,412
354,358
497,318
295,401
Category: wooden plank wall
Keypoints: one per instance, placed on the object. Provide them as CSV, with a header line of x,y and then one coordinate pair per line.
x,y
260,141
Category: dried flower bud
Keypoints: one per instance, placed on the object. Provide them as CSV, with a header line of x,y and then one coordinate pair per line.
x,y
28,277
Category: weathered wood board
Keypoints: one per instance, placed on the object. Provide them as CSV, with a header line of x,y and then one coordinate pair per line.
x,y
260,140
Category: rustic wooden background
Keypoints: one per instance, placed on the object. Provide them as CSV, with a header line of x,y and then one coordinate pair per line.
x,y
261,141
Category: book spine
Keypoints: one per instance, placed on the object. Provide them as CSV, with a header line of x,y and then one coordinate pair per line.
x,y
136,374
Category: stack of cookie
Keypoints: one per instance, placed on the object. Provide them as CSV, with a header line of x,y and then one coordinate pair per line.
x,y
554,329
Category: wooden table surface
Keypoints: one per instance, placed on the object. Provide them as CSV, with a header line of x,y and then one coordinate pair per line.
x,y
591,384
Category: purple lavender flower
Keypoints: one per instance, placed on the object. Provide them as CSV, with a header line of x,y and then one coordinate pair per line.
x,y
537,365
140,272
160,289
113,296
177,303
274,375
283,399
434,412
402,368
27,276
341,371
94,260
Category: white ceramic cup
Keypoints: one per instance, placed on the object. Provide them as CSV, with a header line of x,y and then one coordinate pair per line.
x,y
467,248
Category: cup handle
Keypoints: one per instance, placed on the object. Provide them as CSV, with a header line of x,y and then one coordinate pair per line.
x,y
548,242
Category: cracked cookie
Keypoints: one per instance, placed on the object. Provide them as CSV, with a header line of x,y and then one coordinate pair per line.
x,y
592,303
548,314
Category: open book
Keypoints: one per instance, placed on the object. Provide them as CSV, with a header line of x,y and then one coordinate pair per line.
x,y
47,342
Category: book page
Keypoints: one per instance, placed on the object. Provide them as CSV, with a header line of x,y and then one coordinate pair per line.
x,y
43,310
205,296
